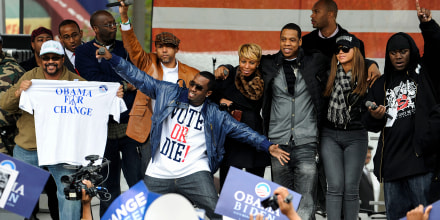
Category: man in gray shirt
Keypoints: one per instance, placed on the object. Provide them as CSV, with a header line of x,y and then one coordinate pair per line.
x,y
292,107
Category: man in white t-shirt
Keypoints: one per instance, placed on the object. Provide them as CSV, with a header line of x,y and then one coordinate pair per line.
x,y
52,68
187,135
160,64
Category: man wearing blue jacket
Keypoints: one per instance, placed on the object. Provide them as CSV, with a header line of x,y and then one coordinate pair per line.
x,y
187,135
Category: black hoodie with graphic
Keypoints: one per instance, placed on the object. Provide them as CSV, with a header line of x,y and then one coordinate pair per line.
x,y
409,96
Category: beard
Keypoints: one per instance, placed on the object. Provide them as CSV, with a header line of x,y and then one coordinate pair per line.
x,y
51,72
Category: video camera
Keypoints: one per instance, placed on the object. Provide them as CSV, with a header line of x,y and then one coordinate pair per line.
x,y
272,201
89,172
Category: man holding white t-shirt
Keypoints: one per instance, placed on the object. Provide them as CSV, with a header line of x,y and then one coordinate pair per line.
x,y
52,68
187,135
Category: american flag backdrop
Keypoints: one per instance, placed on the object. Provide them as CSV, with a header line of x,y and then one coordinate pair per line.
x,y
216,28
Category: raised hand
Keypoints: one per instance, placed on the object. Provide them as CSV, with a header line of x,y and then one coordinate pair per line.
x,y
423,14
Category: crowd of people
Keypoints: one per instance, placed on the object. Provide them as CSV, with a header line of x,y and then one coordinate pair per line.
x,y
304,111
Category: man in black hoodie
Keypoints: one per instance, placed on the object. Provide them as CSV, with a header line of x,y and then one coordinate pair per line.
x,y
408,91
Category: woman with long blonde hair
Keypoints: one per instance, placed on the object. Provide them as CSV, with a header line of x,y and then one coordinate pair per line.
x,y
344,140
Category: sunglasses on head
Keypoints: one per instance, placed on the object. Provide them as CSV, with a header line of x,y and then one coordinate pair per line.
x,y
344,49
198,87
54,58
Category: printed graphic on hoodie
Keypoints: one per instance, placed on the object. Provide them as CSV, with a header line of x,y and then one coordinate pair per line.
x,y
401,100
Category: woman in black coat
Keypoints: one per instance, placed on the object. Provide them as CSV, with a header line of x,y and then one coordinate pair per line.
x,y
239,91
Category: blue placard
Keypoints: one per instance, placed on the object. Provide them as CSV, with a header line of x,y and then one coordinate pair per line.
x,y
435,211
132,204
242,194
27,188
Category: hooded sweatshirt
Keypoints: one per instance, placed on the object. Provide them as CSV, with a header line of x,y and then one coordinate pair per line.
x,y
409,96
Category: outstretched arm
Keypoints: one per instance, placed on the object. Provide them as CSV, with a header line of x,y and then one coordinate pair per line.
x,y
145,83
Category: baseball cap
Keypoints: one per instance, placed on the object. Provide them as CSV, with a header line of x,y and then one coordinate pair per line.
x,y
167,38
348,40
52,46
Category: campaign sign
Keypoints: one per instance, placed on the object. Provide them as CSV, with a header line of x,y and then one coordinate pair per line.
x,y
132,204
435,211
27,188
242,194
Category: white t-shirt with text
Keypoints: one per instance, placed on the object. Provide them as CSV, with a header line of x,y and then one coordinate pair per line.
x,y
182,146
71,118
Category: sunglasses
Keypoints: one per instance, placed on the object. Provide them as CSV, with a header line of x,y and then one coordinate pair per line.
x,y
344,49
198,87
225,107
53,58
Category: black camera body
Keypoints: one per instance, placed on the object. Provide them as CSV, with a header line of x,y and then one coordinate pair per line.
x,y
73,190
272,201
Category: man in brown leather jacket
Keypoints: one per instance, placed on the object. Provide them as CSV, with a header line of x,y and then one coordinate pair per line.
x,y
161,65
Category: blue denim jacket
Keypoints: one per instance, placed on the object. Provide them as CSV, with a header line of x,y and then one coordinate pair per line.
x,y
169,96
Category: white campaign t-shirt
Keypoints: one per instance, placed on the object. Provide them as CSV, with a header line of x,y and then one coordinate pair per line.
x,y
182,146
71,118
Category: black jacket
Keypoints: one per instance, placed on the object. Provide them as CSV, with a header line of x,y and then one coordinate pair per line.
x,y
29,64
68,64
313,67
312,41
423,72
237,153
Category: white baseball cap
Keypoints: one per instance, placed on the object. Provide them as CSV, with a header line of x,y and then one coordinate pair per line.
x,y
52,46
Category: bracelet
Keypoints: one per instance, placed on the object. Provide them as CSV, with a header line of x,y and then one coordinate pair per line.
x,y
127,23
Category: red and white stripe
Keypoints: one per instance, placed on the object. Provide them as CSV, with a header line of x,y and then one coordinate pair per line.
x,y
219,27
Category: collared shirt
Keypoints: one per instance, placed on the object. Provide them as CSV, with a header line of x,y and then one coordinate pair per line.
x,y
71,56
332,35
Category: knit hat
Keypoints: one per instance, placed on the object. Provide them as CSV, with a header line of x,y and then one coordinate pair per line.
x,y
52,46
167,38
348,40
398,42
40,30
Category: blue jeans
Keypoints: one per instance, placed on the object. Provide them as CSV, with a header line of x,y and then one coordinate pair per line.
x,y
130,163
405,194
299,175
68,209
343,155
198,188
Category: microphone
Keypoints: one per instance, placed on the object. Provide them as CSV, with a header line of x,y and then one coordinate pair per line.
x,y
113,4
374,107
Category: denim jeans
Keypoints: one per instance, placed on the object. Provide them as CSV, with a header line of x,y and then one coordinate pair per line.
x,y
130,164
343,155
198,188
299,175
68,209
405,194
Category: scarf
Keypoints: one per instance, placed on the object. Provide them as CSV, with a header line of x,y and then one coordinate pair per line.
x,y
338,112
252,89
288,67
